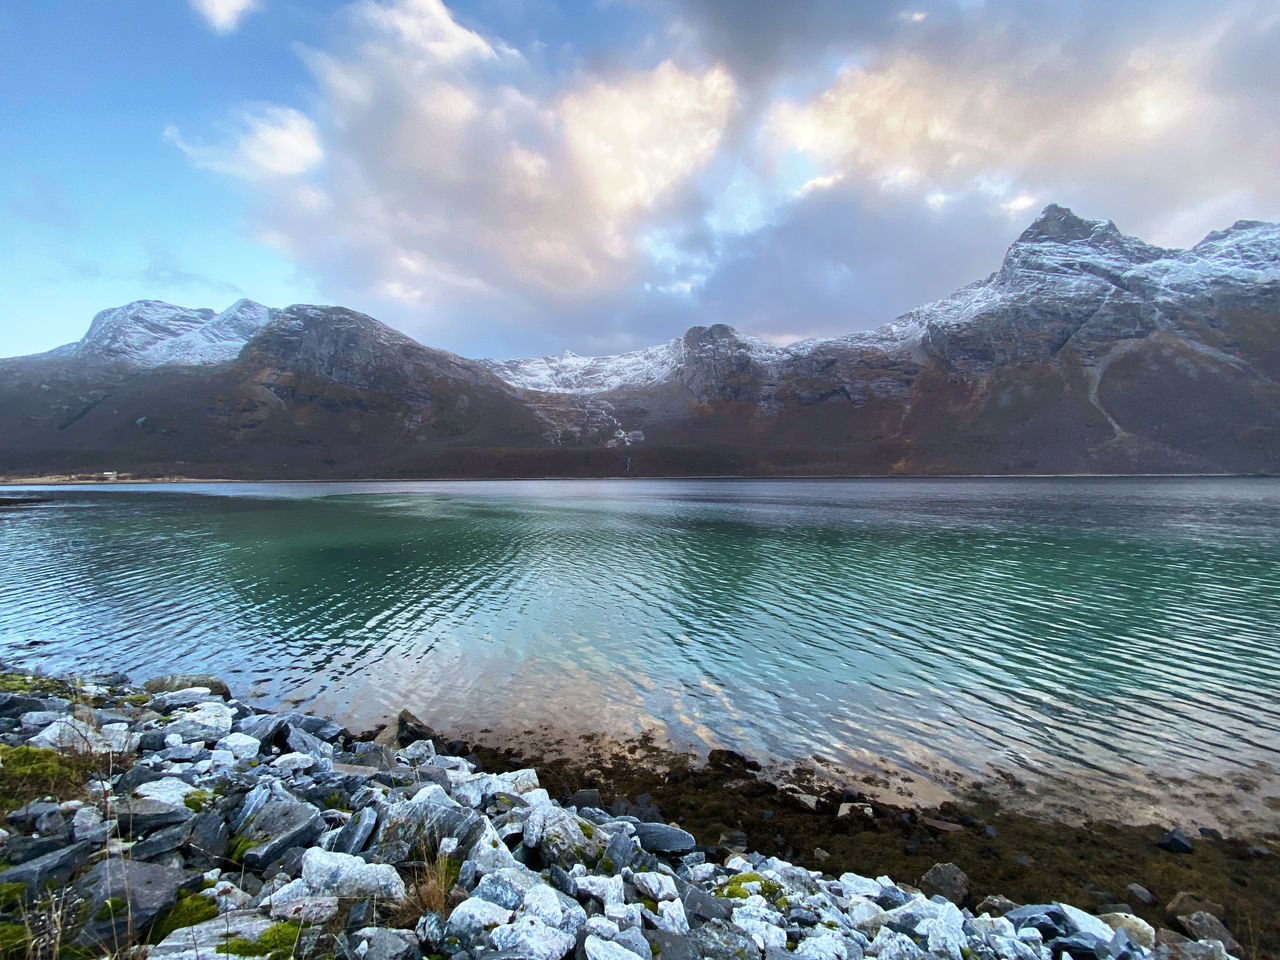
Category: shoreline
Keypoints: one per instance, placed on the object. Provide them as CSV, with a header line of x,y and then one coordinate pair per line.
x,y
82,481
733,812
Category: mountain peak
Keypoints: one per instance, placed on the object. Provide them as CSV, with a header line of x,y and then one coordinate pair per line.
x,y
1060,224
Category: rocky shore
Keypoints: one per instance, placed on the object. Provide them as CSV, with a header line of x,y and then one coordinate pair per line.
x,y
176,822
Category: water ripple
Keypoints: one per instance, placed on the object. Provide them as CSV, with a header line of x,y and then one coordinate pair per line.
x,y
1071,627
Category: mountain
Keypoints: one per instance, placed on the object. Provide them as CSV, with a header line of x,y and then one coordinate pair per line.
x,y
1087,351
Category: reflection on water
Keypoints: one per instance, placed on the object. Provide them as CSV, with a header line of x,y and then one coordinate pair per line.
x,y
1075,627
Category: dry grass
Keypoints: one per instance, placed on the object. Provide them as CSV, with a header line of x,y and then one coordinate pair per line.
x,y
429,890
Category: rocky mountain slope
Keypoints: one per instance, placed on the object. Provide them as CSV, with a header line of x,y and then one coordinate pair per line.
x,y
1087,351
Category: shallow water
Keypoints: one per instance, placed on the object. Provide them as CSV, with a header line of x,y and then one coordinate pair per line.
x,y
1083,628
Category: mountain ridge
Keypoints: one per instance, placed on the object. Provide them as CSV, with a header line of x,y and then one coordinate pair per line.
x,y
1086,351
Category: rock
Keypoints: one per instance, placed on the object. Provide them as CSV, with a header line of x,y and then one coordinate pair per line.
x,y
306,910
472,918
166,703
138,816
1186,903
227,897
207,723
125,897
209,840
51,869
586,798
342,875
700,905
201,942
430,931
1205,926
662,839
1175,841
671,946
672,918
632,939
1141,932
823,947
410,729
558,836
720,940
87,824
891,945
532,939
291,763
657,886
1140,893
169,790
27,814
279,825
162,841
597,949
381,943
355,833
418,827
1080,946
13,705
947,880
240,745
943,940
72,735
996,905
1080,922
183,681
416,753
1046,918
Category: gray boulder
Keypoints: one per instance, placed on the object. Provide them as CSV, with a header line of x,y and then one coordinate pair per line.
x,y
660,838
279,825
947,880
125,897
50,870
183,681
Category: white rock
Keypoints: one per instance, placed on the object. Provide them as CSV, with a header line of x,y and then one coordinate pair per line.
x,y
228,897
416,753
309,910
167,790
702,872
489,853
602,927
542,902
342,875
889,945
823,947
434,793
70,735
1141,932
942,939
672,918
518,781
854,885
532,939
598,949
765,934
472,916
294,762
240,745
625,915
275,891
1086,922
605,889
739,865
656,885
206,723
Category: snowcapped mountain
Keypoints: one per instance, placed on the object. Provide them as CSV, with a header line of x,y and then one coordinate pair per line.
x,y
1062,265
151,333
1086,351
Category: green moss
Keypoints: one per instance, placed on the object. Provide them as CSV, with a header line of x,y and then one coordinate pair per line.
x,y
14,940
13,894
242,845
653,949
276,943
650,904
197,800
28,773
109,909
735,887
187,912
450,870
334,801
588,830
136,699
37,686
607,864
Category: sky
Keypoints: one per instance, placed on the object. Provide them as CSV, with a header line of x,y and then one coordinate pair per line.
x,y
522,177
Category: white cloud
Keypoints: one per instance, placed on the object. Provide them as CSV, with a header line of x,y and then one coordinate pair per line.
x,y
273,142
224,16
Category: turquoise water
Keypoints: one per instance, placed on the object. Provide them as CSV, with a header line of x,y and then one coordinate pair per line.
x,y
1074,627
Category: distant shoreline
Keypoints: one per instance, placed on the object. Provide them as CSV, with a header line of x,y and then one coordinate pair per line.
x,y
65,481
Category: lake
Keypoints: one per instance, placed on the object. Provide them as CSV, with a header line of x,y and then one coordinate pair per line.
x,y
1109,634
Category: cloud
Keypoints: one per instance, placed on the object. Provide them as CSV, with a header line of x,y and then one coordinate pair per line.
x,y
163,271
224,16
791,169
272,142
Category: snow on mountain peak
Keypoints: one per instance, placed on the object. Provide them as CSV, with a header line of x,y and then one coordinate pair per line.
x,y
152,333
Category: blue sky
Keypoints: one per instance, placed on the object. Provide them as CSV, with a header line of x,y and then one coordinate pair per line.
x,y
502,177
